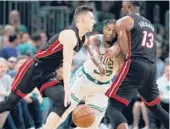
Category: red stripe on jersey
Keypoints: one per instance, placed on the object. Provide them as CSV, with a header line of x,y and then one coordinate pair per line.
x,y
21,73
47,85
129,45
153,102
118,81
55,47
21,94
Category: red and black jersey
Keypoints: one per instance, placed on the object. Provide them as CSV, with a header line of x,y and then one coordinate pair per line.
x,y
50,54
142,39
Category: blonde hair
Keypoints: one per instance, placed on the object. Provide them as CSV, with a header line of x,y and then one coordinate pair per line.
x,y
2,60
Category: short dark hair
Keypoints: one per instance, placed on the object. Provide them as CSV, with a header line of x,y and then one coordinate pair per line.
x,y
36,37
109,21
136,3
12,37
83,9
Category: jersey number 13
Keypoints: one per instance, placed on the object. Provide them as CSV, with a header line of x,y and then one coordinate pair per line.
x,y
148,39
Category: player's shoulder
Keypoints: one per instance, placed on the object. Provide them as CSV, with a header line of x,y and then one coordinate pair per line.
x,y
125,22
68,32
68,35
96,38
100,36
125,19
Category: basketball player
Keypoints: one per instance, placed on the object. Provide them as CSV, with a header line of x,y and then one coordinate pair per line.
x,y
93,79
136,38
39,71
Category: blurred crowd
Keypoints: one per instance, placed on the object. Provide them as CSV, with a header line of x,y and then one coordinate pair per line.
x,y
17,45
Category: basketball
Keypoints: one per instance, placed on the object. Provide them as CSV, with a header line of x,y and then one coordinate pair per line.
x,y
83,116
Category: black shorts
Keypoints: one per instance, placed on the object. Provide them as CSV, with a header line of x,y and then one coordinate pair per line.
x,y
31,75
136,75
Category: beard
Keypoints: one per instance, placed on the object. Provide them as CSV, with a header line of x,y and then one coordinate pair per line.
x,y
110,43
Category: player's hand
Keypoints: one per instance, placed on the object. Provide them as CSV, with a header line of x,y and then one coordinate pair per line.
x,y
102,69
67,96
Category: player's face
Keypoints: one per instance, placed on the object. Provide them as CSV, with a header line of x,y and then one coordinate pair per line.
x,y
89,21
109,32
125,7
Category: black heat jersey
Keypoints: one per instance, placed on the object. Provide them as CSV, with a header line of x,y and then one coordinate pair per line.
x,y
142,38
50,55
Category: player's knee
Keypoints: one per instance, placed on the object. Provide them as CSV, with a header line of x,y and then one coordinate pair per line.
x,y
143,105
137,105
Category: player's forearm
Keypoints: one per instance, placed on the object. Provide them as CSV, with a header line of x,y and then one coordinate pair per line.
x,y
67,62
66,73
94,53
96,59
113,51
116,50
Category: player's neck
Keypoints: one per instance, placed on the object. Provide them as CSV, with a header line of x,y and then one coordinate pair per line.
x,y
134,11
106,45
82,31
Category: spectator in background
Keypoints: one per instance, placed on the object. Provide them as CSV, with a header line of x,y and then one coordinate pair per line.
x,y
14,20
44,37
20,114
5,41
1,35
5,80
160,35
10,50
5,86
9,30
138,108
36,41
159,63
164,86
30,104
11,65
26,45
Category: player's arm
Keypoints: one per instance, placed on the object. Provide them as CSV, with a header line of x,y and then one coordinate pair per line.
x,y
93,49
69,41
113,51
122,26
